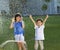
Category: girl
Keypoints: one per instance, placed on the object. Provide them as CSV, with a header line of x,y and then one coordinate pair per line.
x,y
18,26
39,32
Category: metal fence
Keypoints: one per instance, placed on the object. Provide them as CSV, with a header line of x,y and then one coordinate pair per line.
x,y
26,7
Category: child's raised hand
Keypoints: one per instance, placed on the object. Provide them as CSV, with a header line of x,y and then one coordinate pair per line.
x,y
46,16
13,19
32,20
30,16
45,19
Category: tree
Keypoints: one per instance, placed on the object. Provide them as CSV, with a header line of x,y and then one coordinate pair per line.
x,y
44,8
47,0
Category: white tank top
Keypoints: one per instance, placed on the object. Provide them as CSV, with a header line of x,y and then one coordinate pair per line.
x,y
39,31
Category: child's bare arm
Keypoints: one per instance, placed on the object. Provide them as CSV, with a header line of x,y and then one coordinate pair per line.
x,y
11,25
45,19
23,24
32,20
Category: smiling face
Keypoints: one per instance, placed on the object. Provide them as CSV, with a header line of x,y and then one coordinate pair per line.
x,y
39,22
18,18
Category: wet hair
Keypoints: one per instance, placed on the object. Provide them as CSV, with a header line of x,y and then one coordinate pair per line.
x,y
17,16
39,20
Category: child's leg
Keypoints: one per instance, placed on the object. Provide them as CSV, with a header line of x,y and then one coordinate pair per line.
x,y
19,45
22,42
36,45
41,45
23,46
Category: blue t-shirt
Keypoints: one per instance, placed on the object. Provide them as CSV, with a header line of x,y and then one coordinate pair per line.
x,y
18,28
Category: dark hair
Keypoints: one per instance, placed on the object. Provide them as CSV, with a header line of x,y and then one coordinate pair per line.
x,y
39,20
17,16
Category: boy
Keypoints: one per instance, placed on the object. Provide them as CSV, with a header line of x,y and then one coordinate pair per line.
x,y
39,32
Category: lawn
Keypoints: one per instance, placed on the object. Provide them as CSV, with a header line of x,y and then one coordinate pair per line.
x,y
52,33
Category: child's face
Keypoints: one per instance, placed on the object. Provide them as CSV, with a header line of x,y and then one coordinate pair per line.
x,y
39,23
18,19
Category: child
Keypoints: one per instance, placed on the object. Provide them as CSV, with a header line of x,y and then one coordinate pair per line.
x,y
18,26
39,32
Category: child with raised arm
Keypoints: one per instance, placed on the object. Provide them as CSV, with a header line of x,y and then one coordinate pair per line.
x,y
18,26
39,32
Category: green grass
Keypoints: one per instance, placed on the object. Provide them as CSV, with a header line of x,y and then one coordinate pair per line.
x,y
52,33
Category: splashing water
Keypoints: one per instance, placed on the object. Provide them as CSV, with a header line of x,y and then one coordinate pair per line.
x,y
1,25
